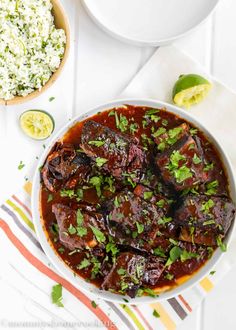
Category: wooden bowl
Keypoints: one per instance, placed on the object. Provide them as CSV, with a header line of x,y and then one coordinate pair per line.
x,y
61,22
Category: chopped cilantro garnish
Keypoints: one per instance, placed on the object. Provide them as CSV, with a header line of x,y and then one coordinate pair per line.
x,y
193,131
164,220
116,202
147,195
67,193
155,313
222,245
56,295
174,254
140,227
79,194
196,159
97,143
71,229
100,237
206,206
55,228
185,255
174,135
61,249
150,292
121,121
21,165
160,131
161,146
94,305
212,272
183,173
111,247
169,276
81,231
158,251
152,115
209,222
97,181
100,161
160,203
121,271
173,241
51,98
212,187
180,173
79,217
133,128
84,264
208,167
50,198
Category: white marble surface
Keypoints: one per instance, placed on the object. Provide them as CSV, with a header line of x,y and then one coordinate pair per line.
x,y
98,70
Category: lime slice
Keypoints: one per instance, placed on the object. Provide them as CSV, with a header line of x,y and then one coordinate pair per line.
x,y
37,124
190,89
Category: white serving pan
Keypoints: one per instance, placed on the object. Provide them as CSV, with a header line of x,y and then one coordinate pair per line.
x,y
55,258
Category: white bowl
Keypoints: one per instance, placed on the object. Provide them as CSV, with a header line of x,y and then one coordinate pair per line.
x,y
56,259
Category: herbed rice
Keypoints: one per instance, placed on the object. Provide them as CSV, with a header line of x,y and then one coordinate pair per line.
x,y
31,48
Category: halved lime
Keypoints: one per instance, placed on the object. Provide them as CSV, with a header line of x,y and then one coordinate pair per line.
x,y
37,124
190,89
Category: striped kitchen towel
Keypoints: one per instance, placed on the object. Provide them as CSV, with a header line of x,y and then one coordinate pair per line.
x,y
26,268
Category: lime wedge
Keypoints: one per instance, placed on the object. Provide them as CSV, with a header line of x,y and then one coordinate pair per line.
x,y
190,89
37,124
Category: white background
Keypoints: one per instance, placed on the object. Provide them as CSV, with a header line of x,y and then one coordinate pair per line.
x,y
99,68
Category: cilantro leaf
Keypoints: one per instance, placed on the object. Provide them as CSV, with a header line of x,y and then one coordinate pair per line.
x,y
97,143
56,295
140,227
100,237
84,264
21,165
196,159
97,181
71,229
100,161
174,254
147,195
155,313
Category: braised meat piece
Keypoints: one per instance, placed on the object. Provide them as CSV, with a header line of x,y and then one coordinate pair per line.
x,y
182,165
135,217
77,228
148,195
166,138
192,256
154,268
204,219
126,274
64,167
115,153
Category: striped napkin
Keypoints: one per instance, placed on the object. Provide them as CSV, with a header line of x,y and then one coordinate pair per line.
x,y
26,269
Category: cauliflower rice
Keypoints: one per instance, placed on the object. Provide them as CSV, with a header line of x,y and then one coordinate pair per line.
x,y
31,48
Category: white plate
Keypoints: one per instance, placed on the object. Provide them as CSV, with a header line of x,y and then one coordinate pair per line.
x,y
55,258
149,22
